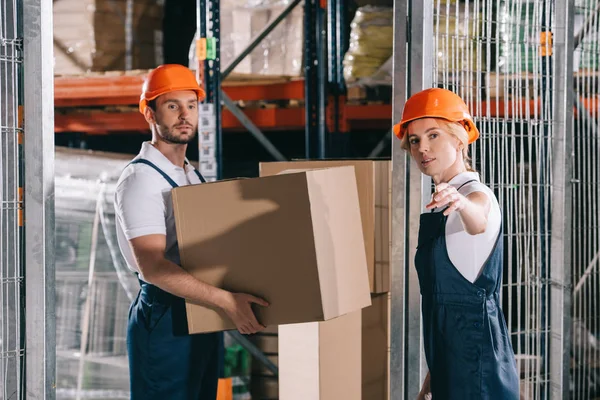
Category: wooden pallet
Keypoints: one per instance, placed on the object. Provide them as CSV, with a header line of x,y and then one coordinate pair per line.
x,y
381,94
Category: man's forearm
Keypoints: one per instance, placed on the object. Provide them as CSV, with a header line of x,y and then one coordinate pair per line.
x,y
173,279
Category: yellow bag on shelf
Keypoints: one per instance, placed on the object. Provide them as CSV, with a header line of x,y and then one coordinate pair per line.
x,y
371,42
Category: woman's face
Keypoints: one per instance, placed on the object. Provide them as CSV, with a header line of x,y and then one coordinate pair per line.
x,y
437,152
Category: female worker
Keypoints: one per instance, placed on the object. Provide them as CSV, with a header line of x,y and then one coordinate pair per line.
x,y
459,257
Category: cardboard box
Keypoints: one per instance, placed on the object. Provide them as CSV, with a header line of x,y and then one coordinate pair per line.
x,y
89,35
374,189
322,360
299,360
376,348
295,240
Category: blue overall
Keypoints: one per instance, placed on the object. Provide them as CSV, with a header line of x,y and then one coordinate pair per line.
x,y
165,362
466,341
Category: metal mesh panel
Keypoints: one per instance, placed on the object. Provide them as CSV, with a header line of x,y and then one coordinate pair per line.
x,y
490,53
585,375
11,239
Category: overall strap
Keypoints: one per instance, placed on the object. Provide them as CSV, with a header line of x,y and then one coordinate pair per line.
x,y
160,171
199,175
466,183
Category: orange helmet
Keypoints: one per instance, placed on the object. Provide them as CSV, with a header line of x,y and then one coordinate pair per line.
x,y
437,103
168,78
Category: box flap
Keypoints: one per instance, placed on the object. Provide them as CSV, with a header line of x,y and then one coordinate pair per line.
x,y
339,240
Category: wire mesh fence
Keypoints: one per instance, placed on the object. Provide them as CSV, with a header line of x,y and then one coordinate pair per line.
x,y
11,235
498,56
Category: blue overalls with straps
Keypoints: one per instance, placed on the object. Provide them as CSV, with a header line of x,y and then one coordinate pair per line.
x,y
165,362
467,345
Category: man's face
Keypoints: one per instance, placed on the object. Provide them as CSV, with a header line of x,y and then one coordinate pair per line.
x,y
176,116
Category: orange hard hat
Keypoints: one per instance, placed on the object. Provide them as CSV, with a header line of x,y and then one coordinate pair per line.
x,y
168,78
437,103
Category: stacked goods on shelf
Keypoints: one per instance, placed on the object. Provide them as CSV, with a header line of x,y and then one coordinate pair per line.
x,y
91,35
279,54
368,64
458,30
347,357
521,49
371,42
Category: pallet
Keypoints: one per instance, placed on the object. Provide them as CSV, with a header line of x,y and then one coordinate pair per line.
x,y
237,79
381,94
99,74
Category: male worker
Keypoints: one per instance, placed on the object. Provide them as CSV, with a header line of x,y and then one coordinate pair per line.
x,y
164,361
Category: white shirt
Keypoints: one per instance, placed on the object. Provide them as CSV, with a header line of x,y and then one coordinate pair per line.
x,y
143,203
468,252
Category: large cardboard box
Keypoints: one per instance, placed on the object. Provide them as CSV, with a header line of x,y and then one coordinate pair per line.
x,y
294,239
321,360
373,180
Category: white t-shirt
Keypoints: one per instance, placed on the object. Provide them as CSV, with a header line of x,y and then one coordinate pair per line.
x,y
143,202
468,252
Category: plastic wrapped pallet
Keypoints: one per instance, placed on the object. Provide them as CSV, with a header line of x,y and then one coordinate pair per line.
x,y
371,42
90,35
280,53
91,314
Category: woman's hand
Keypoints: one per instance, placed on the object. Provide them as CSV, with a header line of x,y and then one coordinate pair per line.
x,y
447,195
473,209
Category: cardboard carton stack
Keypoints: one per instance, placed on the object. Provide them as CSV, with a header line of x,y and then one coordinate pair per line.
x,y
347,357
90,35
279,54
296,240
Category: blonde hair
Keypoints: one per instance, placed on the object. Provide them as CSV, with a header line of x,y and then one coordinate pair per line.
x,y
455,129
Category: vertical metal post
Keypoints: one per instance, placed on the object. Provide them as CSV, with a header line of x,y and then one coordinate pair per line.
x,y
413,71
399,260
208,24
214,80
562,173
544,179
311,78
332,60
12,307
39,200
336,23
321,47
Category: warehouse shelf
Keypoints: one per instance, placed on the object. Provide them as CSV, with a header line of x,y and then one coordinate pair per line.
x,y
78,99
105,90
112,92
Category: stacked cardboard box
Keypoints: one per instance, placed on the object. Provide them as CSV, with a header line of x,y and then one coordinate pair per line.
x,y
279,54
347,357
90,35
